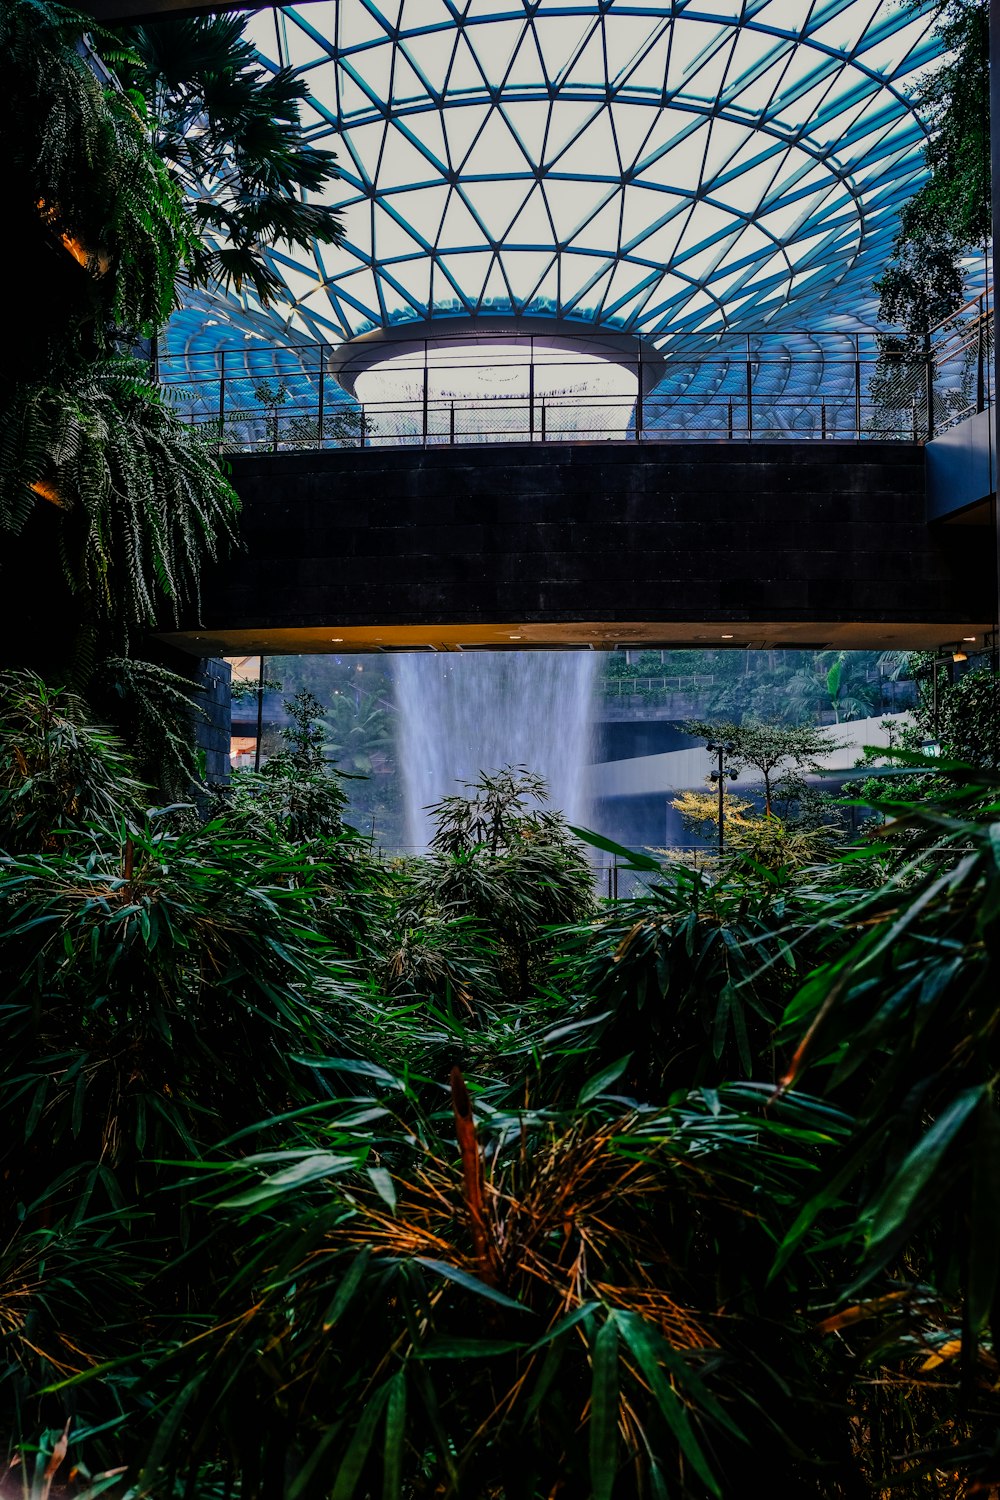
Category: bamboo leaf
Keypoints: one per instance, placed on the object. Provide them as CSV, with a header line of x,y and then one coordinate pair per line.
x,y
604,1411
648,1354
600,1081
901,1203
358,1449
395,1438
470,1283
984,1244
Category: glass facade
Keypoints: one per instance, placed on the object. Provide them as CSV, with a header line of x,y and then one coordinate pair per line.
x,y
631,165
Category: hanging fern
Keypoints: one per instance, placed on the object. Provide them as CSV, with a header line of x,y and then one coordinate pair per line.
x,y
78,155
142,497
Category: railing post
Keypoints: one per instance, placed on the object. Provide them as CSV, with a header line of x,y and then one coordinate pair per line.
x,y
531,391
980,362
929,375
638,402
730,419
857,386
451,426
749,391
222,395
822,420
425,401
543,421
319,413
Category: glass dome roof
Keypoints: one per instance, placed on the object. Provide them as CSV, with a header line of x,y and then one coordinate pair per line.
x,y
629,164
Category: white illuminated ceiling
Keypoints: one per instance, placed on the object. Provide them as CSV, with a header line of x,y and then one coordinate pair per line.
x,y
633,165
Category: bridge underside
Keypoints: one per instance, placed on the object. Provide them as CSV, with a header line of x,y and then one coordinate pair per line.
x,y
596,635
805,544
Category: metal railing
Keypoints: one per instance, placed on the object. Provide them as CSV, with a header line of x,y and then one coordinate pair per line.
x,y
726,387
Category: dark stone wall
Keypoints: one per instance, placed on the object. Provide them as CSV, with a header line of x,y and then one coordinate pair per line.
x,y
675,531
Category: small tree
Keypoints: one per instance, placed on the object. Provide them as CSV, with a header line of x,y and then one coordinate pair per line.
x,y
772,749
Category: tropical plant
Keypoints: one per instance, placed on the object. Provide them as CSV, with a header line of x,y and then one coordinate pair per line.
x,y
59,773
684,985
514,869
532,1312
231,138
772,749
140,498
79,161
156,1002
903,1025
952,210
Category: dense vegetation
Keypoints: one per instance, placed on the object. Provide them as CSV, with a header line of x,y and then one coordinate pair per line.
x,y
331,1177
328,1177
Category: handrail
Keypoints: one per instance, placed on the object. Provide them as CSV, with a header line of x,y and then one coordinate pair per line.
x,y
836,385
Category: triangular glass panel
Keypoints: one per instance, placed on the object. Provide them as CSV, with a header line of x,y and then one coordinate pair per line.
x,y
430,54
354,103
568,119
602,231
532,225
632,124
559,40
525,69
464,73
627,39
525,270
586,70
352,25
470,270
391,239
422,208
495,152
496,203
496,292
646,77
373,66
528,120
462,123
571,203
401,163
593,152
494,46
458,227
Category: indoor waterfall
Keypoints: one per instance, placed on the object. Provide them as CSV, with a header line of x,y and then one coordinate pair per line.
x,y
461,713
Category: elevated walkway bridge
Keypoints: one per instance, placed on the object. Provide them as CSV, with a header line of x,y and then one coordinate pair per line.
x,y
792,489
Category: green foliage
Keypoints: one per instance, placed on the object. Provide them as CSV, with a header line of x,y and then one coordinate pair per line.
x,y
686,983
78,153
509,869
622,1260
903,1025
156,1001
952,211
968,720
142,501
230,135
547,1326
772,749
59,773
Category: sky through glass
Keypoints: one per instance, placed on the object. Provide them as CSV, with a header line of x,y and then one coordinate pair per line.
x,y
633,165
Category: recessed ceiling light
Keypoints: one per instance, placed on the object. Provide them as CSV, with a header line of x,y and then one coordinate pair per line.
x,y
515,637
968,638
727,637
335,638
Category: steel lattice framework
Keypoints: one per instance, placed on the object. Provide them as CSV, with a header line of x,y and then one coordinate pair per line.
x,y
628,164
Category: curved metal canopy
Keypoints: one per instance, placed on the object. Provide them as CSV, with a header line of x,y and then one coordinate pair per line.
x,y
633,165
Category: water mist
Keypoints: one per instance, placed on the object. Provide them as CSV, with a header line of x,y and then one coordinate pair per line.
x,y
461,713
